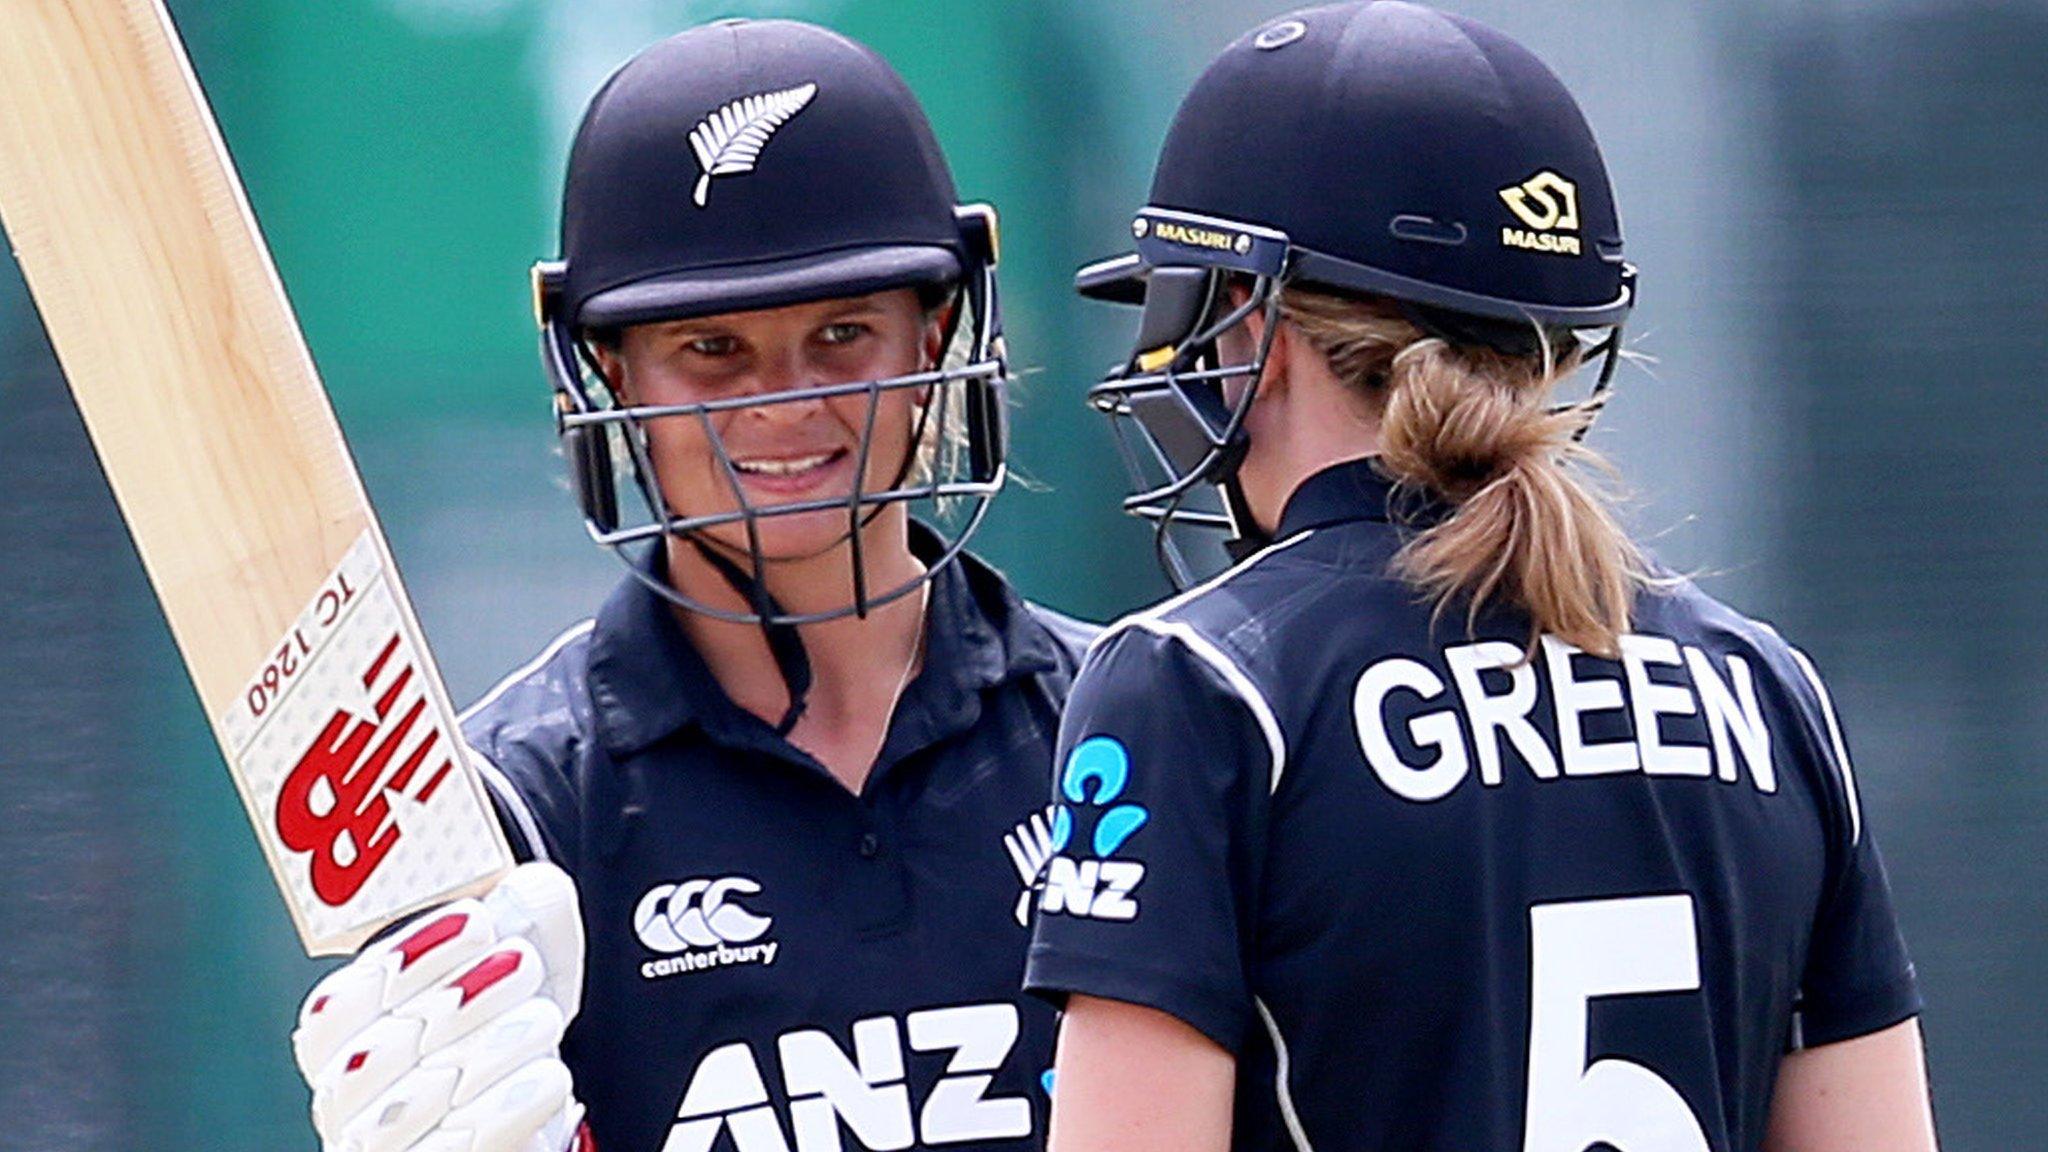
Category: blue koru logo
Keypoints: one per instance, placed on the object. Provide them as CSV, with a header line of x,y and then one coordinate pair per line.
x,y
1096,772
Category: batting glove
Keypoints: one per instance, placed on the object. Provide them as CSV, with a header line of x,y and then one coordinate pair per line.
x,y
445,1035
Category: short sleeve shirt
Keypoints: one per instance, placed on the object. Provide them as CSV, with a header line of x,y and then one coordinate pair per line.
x,y
775,963
1435,891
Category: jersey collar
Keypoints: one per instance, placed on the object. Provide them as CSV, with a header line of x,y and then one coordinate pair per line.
x,y
647,681
1351,491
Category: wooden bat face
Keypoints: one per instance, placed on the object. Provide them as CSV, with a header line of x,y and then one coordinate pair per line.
x,y
223,452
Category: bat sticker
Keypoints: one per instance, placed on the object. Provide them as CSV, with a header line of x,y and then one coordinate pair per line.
x,y
343,758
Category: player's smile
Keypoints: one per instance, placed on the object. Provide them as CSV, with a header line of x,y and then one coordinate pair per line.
x,y
783,453
792,477
767,479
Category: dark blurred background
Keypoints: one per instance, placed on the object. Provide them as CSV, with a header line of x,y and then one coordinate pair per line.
x,y
1838,212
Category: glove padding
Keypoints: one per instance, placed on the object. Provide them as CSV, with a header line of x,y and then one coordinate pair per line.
x,y
445,1035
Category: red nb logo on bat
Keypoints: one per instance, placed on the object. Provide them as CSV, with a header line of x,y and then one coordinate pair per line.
x,y
336,801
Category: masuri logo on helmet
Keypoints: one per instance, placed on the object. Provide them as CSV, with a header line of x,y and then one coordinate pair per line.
x,y
1545,201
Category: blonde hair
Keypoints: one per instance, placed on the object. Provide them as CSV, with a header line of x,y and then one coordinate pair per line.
x,y
941,446
1476,429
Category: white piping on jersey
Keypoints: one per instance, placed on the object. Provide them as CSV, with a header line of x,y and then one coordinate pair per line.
x,y
1200,645
493,776
529,668
1212,583
1827,710
1254,701
1283,1093
495,779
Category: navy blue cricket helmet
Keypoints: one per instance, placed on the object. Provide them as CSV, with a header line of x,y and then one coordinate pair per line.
x,y
744,165
1368,148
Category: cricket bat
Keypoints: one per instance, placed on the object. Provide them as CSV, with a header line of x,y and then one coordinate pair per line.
x,y
217,438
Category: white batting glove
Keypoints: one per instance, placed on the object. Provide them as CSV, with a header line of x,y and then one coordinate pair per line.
x,y
445,1035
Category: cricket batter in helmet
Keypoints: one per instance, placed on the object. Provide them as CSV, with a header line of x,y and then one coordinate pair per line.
x,y
1445,819
766,925
810,173
1441,168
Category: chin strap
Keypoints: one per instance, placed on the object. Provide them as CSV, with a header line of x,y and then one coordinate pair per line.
x,y
783,641
1246,537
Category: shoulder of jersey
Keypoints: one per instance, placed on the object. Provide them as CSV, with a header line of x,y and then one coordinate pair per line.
x,y
1072,635
1205,617
1273,575
546,699
1681,606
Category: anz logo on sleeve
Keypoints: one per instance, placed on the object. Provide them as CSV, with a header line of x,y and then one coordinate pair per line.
x,y
1097,886
865,1091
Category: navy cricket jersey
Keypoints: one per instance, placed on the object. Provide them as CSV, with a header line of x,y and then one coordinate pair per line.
x,y
774,963
1437,897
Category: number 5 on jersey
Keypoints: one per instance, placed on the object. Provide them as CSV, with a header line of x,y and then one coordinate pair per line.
x,y
1632,946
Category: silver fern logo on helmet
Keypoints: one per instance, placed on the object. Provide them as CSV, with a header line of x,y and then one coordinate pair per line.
x,y
729,141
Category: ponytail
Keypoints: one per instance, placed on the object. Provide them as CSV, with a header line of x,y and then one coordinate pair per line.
x,y
1475,429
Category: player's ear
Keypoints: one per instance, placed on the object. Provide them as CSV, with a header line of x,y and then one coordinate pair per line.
x,y
938,320
605,353
1238,294
1280,353
1274,378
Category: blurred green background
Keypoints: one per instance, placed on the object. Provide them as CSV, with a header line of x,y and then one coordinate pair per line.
x,y
1837,209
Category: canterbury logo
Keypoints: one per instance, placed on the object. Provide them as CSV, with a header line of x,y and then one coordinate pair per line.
x,y
729,141
698,914
1548,204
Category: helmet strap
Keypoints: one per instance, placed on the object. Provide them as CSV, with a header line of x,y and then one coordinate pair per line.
x,y
784,643
1246,537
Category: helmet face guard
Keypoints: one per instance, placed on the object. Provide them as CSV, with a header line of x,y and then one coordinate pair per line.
x,y
955,464
1178,427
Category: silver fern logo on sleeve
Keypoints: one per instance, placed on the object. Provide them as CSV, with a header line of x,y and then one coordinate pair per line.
x,y
729,141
